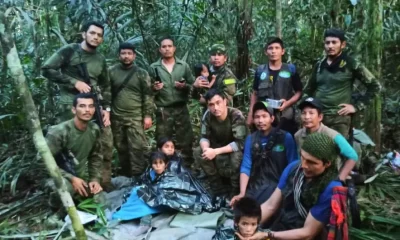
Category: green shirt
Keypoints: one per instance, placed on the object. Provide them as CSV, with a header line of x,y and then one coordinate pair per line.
x,y
333,84
169,95
61,68
84,145
135,99
230,131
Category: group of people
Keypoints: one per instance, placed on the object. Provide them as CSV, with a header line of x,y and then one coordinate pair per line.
x,y
265,158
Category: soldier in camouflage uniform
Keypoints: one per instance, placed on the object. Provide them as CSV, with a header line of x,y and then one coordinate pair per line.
x,y
172,81
80,136
225,79
223,131
332,83
61,68
132,108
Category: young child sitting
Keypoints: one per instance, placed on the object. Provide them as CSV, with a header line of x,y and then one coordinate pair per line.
x,y
247,217
167,146
135,207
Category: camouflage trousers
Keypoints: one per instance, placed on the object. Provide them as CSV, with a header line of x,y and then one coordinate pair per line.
x,y
176,120
224,166
64,113
339,123
131,144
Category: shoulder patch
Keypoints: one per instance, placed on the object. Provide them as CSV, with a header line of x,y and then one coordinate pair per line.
x,y
229,81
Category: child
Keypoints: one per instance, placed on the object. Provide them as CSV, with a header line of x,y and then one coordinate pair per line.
x,y
135,207
201,70
167,146
247,217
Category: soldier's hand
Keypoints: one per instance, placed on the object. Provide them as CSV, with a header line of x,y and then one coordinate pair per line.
x,y
79,186
106,118
95,187
147,122
346,109
236,198
180,85
284,105
158,86
82,87
201,82
209,154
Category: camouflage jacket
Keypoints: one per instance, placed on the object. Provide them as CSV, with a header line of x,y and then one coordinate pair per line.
x,y
61,68
225,81
333,84
230,131
84,145
134,100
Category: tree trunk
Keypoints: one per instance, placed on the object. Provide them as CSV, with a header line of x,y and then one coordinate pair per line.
x,y
17,74
243,35
375,26
278,18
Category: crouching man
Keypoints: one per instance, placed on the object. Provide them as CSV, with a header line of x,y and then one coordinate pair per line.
x,y
75,145
304,192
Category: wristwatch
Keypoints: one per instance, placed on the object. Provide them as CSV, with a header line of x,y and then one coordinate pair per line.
x,y
108,109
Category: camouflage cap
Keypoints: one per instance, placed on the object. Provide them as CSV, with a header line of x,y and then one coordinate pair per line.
x,y
217,48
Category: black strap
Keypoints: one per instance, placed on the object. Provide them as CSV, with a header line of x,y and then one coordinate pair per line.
x,y
124,83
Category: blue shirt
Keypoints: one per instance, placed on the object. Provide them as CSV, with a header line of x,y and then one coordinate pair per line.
x,y
290,146
321,211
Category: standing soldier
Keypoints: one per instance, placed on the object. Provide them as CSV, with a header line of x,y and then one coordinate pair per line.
x,y
278,81
225,80
332,83
63,69
132,108
172,81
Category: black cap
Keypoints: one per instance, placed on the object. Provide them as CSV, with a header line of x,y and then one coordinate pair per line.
x,y
264,106
311,102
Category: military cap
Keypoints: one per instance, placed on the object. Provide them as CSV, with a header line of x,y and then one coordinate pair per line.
x,y
217,48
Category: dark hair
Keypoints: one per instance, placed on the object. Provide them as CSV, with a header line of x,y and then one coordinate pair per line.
x,y
274,40
247,207
82,95
198,68
336,33
87,25
167,38
164,140
126,45
212,93
158,155
319,111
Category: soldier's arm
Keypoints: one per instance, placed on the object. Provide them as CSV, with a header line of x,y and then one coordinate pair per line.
x,y
55,141
52,68
239,131
205,132
95,165
105,85
311,85
147,98
229,83
189,77
370,82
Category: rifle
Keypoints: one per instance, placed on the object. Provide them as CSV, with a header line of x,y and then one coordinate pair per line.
x,y
66,161
98,118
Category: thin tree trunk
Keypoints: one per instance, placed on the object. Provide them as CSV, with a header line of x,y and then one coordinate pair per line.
x,y
278,18
17,74
375,26
243,36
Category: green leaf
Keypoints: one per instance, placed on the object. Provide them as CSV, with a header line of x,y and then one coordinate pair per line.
x,y
7,115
